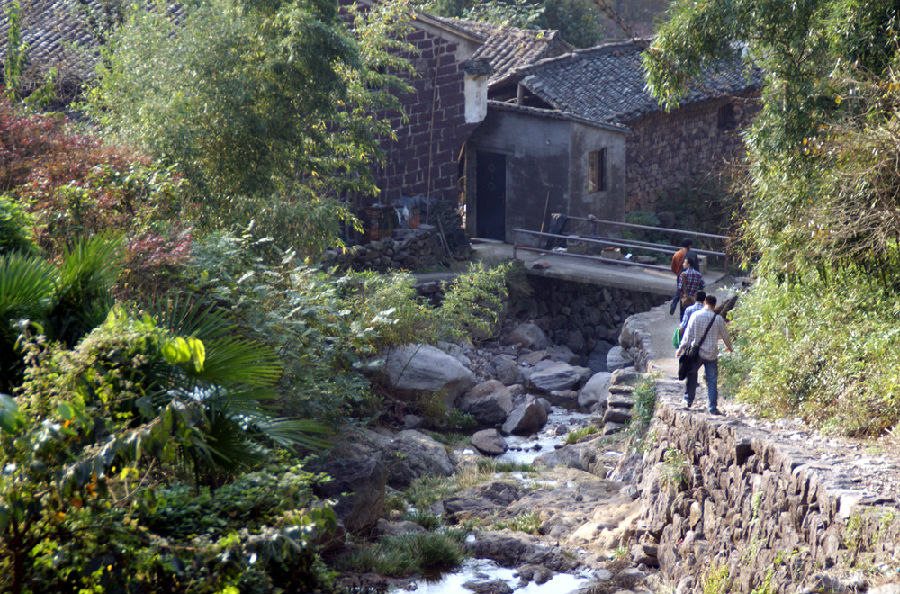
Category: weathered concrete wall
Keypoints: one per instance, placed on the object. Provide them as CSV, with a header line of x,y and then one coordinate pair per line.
x,y
424,159
537,157
609,204
721,495
665,150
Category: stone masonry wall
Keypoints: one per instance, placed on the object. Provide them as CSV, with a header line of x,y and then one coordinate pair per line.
x,y
740,504
719,495
667,150
431,139
578,315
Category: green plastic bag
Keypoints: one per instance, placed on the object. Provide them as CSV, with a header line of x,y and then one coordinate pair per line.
x,y
676,338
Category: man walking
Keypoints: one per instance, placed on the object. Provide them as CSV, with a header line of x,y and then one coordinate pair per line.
x,y
699,299
705,328
688,284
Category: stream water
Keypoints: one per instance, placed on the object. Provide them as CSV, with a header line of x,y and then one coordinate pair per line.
x,y
482,570
524,450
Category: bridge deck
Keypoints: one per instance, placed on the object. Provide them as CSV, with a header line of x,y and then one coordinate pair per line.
x,y
634,278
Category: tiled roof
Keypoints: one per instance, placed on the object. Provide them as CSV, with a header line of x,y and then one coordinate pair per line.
x,y
606,84
508,48
56,34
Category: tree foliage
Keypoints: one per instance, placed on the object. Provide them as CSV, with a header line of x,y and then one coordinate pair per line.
x,y
269,108
821,202
578,21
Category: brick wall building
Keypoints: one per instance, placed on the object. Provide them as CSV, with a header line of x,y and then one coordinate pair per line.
x,y
668,150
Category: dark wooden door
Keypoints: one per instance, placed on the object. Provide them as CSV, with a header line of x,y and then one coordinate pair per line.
x,y
490,195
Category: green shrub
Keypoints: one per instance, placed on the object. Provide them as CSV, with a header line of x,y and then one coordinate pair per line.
x,y
15,227
826,350
474,303
575,436
529,523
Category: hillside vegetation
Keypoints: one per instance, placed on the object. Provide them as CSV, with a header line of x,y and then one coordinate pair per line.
x,y
167,369
818,333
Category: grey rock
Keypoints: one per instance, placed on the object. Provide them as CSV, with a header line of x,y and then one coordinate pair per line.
x,y
618,358
489,442
525,419
617,415
489,403
488,587
564,398
500,492
527,335
412,421
407,455
357,484
561,353
505,370
385,527
545,403
582,456
595,391
560,376
424,368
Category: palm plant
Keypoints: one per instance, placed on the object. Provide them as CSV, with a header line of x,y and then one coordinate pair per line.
x,y
63,303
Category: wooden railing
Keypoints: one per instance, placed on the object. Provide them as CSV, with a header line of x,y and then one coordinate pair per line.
x,y
619,242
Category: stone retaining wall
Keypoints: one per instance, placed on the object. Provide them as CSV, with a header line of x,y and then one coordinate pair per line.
x,y
578,315
737,504
719,495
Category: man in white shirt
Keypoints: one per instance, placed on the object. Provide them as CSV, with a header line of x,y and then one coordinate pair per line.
x,y
705,328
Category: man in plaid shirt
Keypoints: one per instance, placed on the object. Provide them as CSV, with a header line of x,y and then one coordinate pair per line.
x,y
689,282
709,352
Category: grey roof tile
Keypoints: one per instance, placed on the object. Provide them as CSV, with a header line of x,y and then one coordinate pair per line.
x,y
509,48
605,84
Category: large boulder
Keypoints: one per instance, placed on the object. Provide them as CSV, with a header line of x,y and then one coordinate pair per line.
x,y
357,484
618,358
411,454
424,368
489,442
527,335
489,403
560,376
505,370
595,391
525,419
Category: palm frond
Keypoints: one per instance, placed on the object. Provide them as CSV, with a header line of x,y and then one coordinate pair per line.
x,y
185,317
83,297
236,361
304,433
26,283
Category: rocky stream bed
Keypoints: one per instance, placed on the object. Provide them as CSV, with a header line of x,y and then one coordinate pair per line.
x,y
539,515
701,504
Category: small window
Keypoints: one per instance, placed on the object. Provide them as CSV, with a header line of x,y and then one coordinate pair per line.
x,y
727,117
597,171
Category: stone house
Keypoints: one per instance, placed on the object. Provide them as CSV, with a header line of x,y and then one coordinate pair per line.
x,y
579,134
455,61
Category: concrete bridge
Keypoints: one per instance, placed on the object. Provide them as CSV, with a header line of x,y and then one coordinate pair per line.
x,y
658,281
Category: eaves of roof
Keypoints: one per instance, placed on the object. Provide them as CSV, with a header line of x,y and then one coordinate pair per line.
x,y
555,114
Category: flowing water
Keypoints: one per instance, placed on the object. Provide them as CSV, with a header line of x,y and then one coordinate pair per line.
x,y
525,449
482,570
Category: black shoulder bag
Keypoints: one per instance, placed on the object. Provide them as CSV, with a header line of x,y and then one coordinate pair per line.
x,y
690,359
